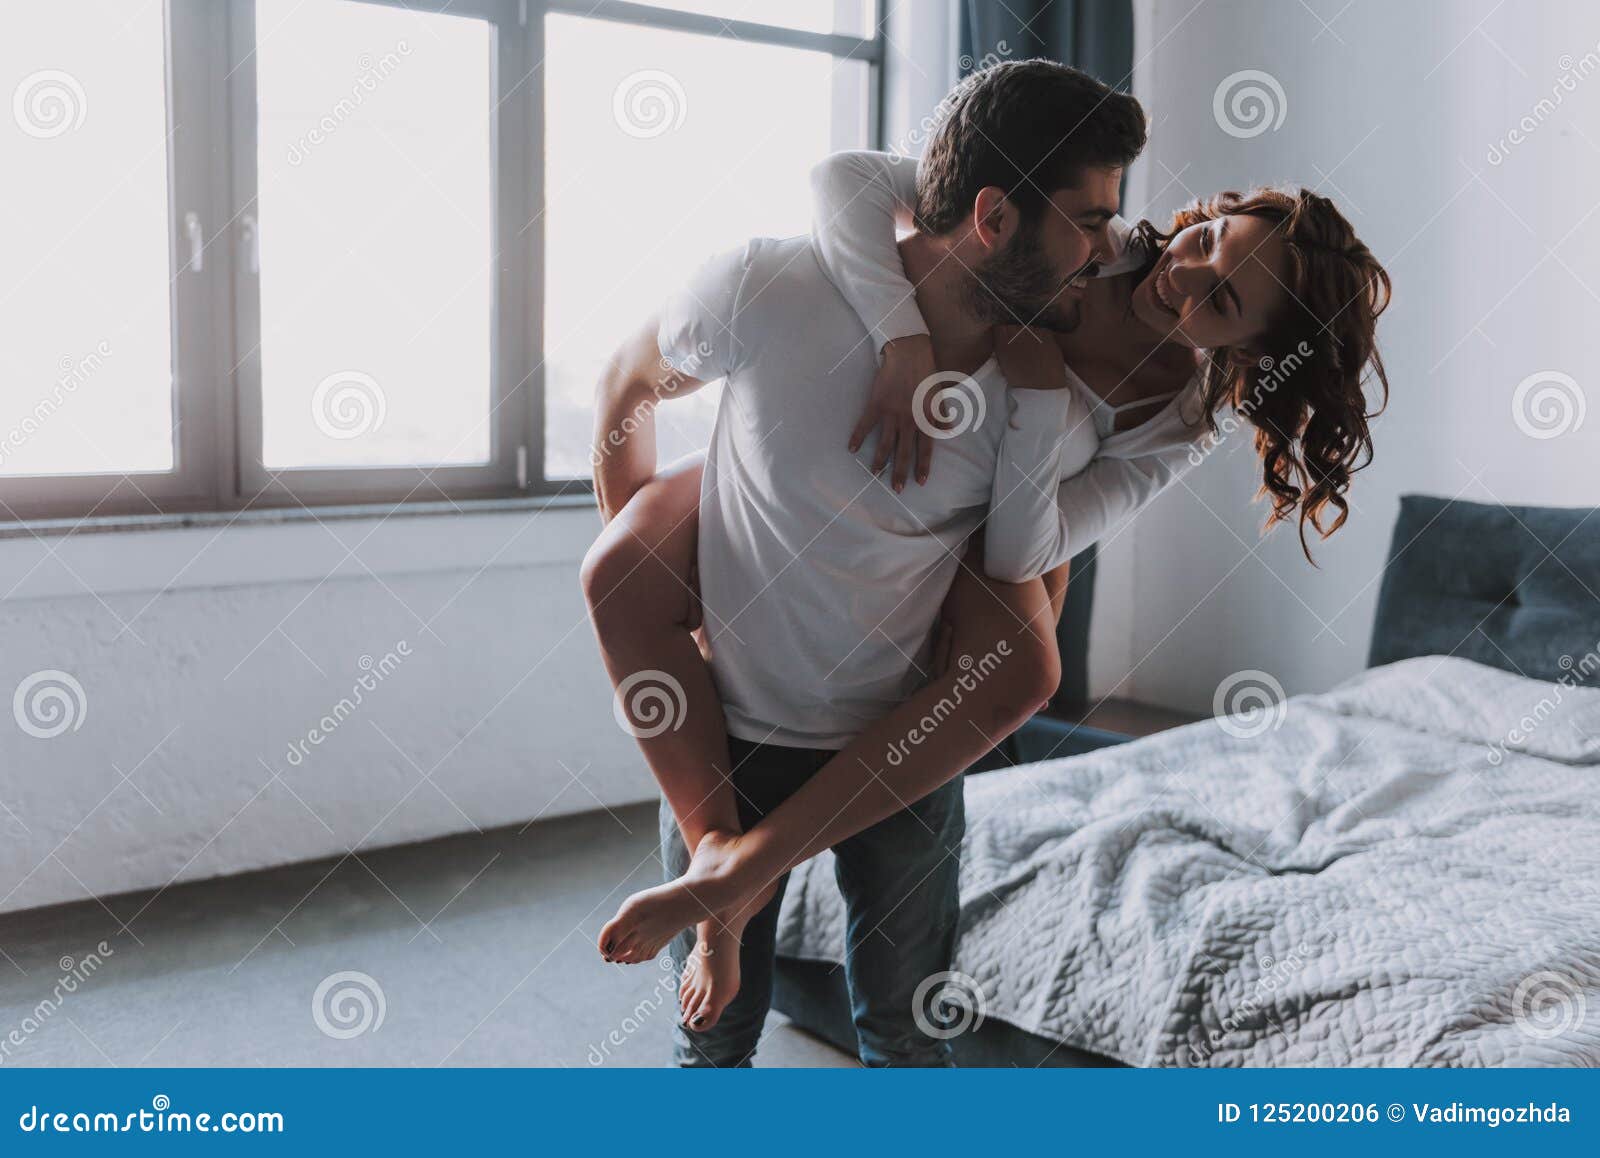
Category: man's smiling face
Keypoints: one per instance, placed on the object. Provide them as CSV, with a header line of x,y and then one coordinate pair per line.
x,y
1027,277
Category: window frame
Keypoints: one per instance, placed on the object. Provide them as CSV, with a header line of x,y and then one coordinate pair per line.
x,y
509,400
215,311
198,404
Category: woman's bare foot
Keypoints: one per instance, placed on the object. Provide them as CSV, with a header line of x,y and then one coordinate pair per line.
x,y
713,885
710,976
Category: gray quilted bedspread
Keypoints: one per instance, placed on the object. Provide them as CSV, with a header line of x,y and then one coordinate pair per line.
x,y
1403,871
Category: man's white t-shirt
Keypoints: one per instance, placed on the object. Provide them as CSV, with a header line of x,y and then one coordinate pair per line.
x,y
820,585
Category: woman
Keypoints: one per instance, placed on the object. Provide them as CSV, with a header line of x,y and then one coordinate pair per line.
x,y
1238,283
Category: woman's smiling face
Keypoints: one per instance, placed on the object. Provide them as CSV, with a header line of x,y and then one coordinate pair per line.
x,y
1220,283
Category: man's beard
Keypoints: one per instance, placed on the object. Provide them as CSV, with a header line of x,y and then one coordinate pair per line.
x,y
1019,287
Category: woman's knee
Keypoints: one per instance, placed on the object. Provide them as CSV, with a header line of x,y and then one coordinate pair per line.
x,y
611,560
639,565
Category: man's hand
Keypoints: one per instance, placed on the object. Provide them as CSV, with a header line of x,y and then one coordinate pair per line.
x,y
1029,358
902,438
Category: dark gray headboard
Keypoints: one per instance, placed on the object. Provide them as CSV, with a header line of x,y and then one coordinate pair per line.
x,y
1514,587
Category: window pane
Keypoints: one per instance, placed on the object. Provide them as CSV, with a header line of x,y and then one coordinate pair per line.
x,y
851,17
377,258
86,280
650,171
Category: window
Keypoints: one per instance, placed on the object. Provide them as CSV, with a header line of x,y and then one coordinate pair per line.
x,y
663,148
86,313
382,223
281,252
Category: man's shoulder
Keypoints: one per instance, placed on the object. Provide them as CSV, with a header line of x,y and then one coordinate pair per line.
x,y
782,259
731,278
782,274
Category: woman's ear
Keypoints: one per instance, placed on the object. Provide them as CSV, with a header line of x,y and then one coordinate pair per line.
x,y
1243,357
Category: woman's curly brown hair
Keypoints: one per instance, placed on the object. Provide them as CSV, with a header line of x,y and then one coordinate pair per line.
x,y
1311,422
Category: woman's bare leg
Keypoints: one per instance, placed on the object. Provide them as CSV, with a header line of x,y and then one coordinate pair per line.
x,y
636,579
1006,665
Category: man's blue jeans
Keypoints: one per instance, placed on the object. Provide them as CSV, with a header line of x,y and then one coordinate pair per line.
x,y
899,882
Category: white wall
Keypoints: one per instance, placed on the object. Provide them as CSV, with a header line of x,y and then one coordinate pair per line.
x,y
203,655
1392,110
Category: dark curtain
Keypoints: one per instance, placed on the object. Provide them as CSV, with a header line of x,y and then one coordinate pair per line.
x,y
1096,36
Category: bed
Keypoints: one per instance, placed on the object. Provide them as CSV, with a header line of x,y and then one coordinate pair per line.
x,y
1404,870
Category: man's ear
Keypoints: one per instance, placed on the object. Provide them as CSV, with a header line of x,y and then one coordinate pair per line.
x,y
994,218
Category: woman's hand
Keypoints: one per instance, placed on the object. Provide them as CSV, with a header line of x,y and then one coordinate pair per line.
x,y
902,437
1029,359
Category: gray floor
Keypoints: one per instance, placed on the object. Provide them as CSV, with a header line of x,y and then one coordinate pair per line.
x,y
480,950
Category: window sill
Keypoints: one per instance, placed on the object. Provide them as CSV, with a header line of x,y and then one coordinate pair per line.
x,y
52,558
266,516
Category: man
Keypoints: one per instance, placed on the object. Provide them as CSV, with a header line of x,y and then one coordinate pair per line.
x,y
820,581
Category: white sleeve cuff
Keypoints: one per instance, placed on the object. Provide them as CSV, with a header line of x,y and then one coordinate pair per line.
x,y
903,321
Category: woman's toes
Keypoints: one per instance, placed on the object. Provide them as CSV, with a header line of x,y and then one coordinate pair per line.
x,y
706,1016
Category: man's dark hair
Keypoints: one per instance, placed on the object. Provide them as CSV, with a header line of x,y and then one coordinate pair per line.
x,y
1030,127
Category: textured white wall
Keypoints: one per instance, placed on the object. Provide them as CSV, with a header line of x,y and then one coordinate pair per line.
x,y
193,695
1393,110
